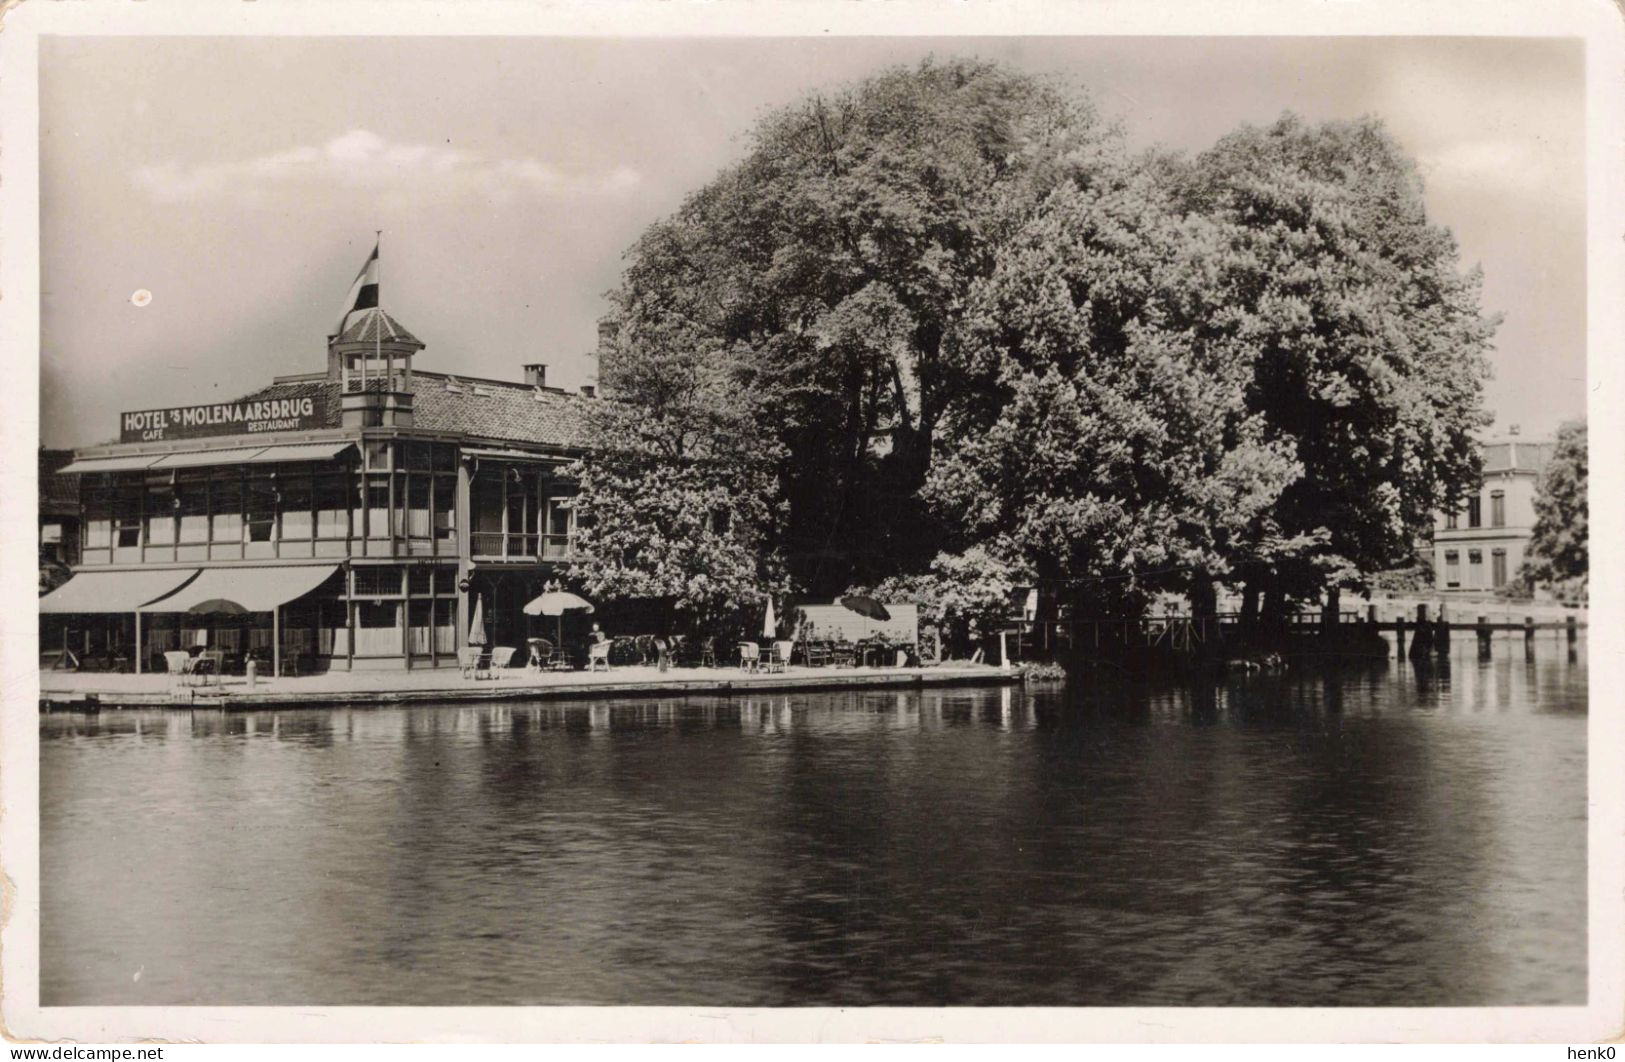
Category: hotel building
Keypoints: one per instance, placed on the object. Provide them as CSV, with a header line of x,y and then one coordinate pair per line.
x,y
350,518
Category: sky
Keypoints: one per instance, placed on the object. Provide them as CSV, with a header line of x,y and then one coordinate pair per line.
x,y
240,181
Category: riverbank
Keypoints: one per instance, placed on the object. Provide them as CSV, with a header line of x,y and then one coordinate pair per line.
x,y
72,691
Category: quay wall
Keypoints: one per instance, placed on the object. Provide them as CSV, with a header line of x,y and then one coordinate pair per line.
x,y
240,698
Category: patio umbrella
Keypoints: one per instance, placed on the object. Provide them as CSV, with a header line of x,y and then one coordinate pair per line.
x,y
557,603
476,626
218,606
865,606
770,623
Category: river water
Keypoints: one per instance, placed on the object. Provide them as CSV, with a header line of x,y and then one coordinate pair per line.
x,y
1373,835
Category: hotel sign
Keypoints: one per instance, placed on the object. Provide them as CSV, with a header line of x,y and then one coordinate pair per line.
x,y
231,418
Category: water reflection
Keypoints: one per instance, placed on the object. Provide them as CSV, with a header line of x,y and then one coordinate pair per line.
x,y
1399,834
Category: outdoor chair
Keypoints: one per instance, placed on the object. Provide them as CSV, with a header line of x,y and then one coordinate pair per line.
x,y
817,654
663,653
541,654
782,652
708,653
750,656
178,663
844,654
501,657
598,653
468,660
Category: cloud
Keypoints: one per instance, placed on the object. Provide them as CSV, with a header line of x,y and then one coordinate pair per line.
x,y
361,159
1514,166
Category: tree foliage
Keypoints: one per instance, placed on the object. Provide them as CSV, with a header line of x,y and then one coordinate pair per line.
x,y
960,594
1366,342
1108,443
675,502
1559,548
942,317
835,258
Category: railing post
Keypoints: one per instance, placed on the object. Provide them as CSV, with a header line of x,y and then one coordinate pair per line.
x,y
1441,632
1529,637
1483,638
1399,637
1572,629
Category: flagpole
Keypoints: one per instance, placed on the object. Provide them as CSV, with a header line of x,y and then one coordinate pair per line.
x,y
378,332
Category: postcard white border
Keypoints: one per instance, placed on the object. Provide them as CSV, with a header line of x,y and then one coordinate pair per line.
x,y
1597,21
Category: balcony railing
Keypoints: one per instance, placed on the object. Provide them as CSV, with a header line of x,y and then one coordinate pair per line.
x,y
498,545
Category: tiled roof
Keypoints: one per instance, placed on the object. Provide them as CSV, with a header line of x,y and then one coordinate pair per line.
x,y
442,403
365,326
58,494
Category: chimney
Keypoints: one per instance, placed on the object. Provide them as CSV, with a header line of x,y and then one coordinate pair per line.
x,y
536,374
589,390
608,329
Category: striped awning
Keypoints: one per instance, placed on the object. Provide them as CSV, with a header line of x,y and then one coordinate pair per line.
x,y
114,591
129,463
255,589
254,455
514,455
201,458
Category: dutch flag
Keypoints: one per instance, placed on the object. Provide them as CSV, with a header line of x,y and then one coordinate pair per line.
x,y
363,292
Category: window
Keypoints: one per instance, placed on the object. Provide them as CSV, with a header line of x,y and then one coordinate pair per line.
x,y
419,615
561,528
192,494
332,491
98,498
1498,508
297,522
1474,513
379,581
1452,568
161,506
445,626
1498,568
127,515
417,508
226,506
415,455
262,495
378,628
1475,569
1450,521
377,504
445,508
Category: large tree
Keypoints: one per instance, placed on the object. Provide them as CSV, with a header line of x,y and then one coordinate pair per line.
x,y
835,260
1559,548
1107,444
676,502
1365,339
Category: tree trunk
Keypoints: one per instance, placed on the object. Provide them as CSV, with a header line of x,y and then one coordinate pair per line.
x,y
1331,610
1273,618
1204,612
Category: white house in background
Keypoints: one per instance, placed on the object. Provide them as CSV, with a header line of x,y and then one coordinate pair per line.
x,y
1479,548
